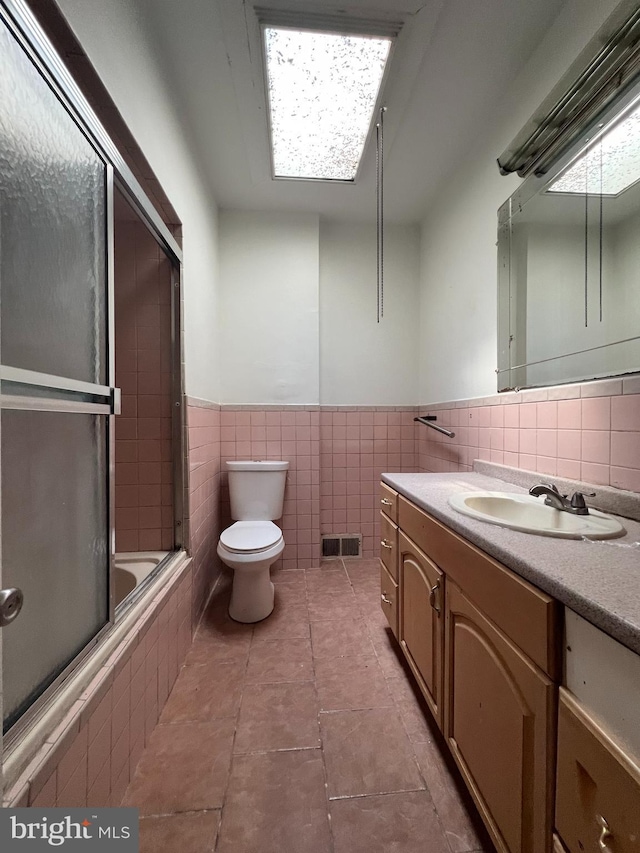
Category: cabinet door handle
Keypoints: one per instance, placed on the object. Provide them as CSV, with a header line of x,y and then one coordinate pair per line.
x,y
386,544
605,834
386,502
434,597
386,600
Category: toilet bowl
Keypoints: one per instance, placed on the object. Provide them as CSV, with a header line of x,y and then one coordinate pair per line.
x,y
252,544
249,548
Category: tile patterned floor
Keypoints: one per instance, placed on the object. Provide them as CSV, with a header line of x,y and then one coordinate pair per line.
x,y
301,734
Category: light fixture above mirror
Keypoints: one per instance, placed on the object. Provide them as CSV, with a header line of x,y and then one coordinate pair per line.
x,y
609,164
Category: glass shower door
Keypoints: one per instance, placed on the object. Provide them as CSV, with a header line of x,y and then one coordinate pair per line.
x,y
56,391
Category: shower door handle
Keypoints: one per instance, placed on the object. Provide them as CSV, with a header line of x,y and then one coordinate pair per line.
x,y
11,600
116,401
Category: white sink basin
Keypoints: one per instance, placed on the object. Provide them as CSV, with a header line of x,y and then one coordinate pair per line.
x,y
530,515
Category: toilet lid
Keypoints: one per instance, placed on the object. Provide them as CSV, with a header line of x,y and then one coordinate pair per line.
x,y
250,536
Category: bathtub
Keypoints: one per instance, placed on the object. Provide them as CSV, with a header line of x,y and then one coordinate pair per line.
x,y
132,568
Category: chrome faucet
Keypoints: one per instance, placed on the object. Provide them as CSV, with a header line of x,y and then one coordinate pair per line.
x,y
575,505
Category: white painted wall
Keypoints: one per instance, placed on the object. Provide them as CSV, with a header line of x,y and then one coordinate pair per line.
x,y
363,362
148,105
458,308
269,314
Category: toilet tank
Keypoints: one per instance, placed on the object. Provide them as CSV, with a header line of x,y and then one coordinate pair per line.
x,y
256,489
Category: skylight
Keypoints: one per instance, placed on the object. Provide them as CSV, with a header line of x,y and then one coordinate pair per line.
x,y
322,89
610,166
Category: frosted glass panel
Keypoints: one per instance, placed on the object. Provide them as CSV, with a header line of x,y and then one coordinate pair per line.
x,y
54,544
52,229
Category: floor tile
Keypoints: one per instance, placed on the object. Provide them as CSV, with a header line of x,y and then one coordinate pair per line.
x,y
188,833
286,622
276,803
216,620
330,581
288,577
406,823
364,573
326,655
278,716
452,803
368,604
350,683
362,563
328,564
210,647
414,712
280,660
340,637
325,606
290,593
387,651
185,767
204,693
367,752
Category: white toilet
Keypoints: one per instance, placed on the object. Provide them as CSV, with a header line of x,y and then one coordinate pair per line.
x,y
254,542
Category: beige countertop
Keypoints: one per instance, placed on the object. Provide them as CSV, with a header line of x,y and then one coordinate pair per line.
x,y
600,580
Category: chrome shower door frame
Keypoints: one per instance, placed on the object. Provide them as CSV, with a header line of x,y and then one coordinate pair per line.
x,y
87,397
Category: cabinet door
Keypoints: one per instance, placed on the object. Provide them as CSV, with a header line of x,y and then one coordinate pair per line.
x,y
421,620
598,787
500,726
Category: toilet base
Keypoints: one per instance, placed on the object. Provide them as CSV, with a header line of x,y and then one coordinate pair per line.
x,y
252,595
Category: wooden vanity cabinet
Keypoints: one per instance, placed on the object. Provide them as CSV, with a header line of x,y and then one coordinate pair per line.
x,y
500,726
598,786
421,620
483,645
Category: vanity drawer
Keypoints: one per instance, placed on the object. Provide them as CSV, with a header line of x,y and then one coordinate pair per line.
x,y
529,617
389,599
598,786
389,501
389,545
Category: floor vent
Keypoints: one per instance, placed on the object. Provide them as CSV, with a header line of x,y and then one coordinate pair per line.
x,y
349,545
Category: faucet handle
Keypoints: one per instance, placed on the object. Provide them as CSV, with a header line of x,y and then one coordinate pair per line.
x,y
577,499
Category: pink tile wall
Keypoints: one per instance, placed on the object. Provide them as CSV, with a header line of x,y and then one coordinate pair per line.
x,y
356,446
336,457
288,433
90,757
144,472
592,434
204,513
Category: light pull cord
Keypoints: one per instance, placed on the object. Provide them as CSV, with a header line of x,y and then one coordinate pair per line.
x,y
380,214
601,229
586,244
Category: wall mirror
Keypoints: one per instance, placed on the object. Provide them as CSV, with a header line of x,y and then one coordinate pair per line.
x,y
569,260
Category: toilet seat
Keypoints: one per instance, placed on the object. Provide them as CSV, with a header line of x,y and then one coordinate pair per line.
x,y
253,537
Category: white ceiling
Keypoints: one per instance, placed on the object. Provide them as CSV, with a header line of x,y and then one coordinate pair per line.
x,y
453,61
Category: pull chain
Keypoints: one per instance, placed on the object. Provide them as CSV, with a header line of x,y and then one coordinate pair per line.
x,y
380,214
